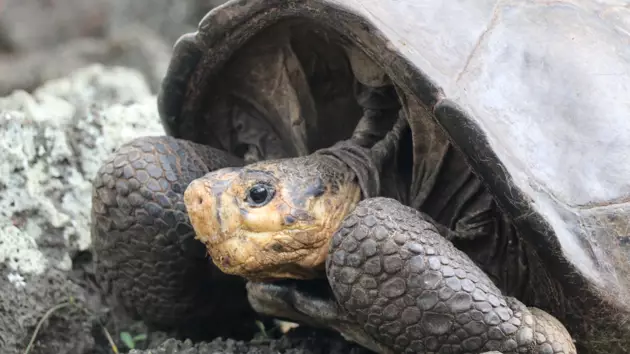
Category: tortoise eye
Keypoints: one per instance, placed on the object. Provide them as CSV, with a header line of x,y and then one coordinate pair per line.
x,y
259,194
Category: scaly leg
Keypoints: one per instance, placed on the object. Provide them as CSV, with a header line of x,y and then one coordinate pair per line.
x,y
146,254
412,291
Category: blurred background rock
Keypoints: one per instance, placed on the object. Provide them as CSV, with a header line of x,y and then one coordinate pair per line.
x,y
42,40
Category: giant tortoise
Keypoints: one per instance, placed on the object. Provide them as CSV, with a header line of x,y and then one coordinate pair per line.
x,y
477,151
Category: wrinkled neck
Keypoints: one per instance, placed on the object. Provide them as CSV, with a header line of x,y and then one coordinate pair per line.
x,y
359,160
367,163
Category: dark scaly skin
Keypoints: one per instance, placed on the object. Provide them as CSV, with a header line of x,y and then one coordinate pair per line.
x,y
145,250
414,291
397,284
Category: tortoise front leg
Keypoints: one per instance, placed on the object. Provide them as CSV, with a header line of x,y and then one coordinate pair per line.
x,y
413,291
295,301
146,253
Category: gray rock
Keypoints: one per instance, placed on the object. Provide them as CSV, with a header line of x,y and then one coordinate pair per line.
x,y
169,18
133,46
52,143
37,24
47,39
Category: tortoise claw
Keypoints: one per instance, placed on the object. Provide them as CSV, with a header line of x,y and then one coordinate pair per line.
x,y
303,302
284,300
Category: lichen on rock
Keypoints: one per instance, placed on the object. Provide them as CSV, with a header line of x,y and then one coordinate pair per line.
x,y
53,143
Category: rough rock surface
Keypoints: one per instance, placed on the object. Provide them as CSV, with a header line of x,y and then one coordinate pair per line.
x,y
52,142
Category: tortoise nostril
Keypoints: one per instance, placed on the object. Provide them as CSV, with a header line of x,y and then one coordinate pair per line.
x,y
195,197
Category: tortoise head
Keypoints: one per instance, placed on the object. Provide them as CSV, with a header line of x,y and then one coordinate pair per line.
x,y
272,219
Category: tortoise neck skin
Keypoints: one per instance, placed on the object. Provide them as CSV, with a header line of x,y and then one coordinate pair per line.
x,y
359,160
274,219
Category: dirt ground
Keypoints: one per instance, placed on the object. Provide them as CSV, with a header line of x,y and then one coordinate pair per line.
x,y
296,342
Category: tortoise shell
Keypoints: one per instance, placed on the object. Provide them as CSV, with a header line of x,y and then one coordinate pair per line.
x,y
534,96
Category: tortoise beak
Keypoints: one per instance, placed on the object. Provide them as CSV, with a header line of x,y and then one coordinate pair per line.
x,y
203,198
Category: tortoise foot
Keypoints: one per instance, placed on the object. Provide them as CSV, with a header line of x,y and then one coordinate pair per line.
x,y
146,253
412,291
295,300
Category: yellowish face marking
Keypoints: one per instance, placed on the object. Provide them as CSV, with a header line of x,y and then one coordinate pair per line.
x,y
264,221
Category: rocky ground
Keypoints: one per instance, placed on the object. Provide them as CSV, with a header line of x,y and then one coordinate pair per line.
x,y
52,142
